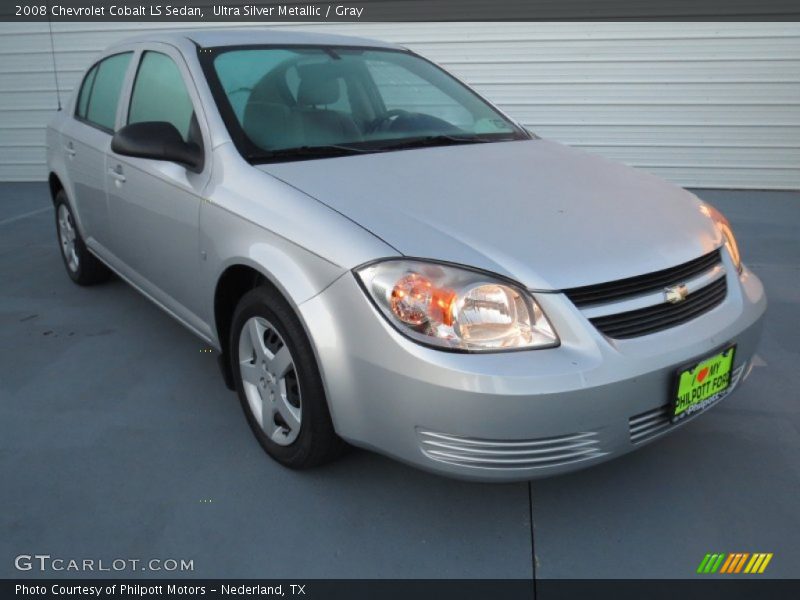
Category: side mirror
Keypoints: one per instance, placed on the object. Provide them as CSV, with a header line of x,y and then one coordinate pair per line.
x,y
158,140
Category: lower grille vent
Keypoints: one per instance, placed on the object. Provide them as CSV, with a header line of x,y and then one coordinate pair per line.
x,y
505,454
649,424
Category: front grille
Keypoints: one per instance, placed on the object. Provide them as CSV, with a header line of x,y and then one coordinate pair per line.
x,y
621,289
513,454
662,316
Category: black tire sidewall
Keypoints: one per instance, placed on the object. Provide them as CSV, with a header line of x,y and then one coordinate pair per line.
x,y
80,248
315,425
90,269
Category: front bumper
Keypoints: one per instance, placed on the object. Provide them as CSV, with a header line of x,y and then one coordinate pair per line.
x,y
514,415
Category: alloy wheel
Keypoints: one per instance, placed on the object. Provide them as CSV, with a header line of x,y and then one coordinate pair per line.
x,y
68,235
270,381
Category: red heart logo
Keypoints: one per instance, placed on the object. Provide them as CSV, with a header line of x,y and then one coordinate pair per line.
x,y
702,375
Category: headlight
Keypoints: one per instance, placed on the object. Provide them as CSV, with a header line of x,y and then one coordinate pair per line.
x,y
724,226
456,308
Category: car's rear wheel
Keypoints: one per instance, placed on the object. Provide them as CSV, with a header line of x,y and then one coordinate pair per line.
x,y
279,383
82,266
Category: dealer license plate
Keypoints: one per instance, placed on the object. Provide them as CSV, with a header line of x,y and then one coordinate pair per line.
x,y
702,384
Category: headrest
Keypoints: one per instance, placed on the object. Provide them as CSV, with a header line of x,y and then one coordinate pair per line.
x,y
318,85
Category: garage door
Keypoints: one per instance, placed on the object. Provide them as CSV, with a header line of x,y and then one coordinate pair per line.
x,y
701,104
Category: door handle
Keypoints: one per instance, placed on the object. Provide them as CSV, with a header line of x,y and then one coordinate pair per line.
x,y
70,149
117,174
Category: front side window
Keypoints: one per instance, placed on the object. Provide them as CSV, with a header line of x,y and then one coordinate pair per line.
x,y
285,103
100,92
159,94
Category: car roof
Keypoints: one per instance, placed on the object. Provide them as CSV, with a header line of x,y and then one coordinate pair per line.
x,y
214,37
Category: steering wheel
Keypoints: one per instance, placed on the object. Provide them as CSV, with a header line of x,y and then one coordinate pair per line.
x,y
381,121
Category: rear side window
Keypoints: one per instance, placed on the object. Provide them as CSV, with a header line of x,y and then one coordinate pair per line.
x,y
101,89
159,94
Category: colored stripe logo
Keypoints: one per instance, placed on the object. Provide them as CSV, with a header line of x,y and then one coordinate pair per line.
x,y
734,562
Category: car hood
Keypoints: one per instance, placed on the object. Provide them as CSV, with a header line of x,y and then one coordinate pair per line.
x,y
546,215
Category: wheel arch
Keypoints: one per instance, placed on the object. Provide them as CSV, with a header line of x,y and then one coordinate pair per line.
x,y
235,280
55,185
233,283
58,182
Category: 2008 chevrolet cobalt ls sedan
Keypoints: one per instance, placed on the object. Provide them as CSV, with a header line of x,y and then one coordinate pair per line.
x,y
381,256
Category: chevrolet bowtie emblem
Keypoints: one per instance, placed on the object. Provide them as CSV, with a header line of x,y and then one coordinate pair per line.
x,y
676,293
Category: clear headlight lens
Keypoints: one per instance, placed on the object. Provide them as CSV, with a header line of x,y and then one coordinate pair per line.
x,y
456,308
724,227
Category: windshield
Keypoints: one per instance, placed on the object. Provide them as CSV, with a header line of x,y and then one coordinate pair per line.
x,y
293,103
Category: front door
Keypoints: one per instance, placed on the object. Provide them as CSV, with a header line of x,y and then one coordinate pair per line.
x,y
155,205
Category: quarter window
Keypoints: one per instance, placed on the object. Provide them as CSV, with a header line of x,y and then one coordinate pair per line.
x,y
99,95
159,94
86,90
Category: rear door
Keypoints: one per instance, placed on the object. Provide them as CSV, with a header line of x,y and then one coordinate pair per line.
x,y
85,140
155,205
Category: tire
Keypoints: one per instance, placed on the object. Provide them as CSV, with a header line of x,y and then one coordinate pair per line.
x,y
278,382
81,265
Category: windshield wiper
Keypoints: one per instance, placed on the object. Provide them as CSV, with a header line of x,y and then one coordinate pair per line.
x,y
332,150
440,140
304,152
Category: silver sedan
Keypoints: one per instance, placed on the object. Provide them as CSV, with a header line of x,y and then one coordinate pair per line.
x,y
381,256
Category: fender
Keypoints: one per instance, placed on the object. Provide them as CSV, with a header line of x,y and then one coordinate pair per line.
x,y
228,240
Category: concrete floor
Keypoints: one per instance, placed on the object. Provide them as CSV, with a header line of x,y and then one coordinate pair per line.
x,y
118,439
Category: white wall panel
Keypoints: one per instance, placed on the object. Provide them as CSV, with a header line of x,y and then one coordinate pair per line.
x,y
702,104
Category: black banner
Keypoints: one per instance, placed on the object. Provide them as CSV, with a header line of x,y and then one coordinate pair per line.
x,y
402,589
266,11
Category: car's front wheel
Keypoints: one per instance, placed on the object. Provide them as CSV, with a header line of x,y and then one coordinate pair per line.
x,y
82,266
279,383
